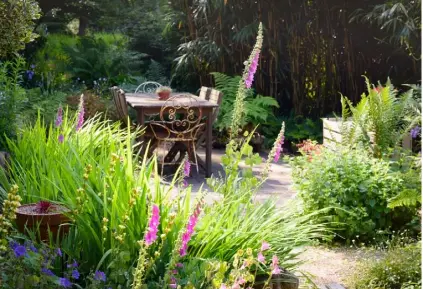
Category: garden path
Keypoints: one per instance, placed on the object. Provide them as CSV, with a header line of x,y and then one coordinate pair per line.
x,y
277,185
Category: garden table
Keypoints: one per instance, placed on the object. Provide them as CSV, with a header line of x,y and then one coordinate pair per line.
x,y
149,103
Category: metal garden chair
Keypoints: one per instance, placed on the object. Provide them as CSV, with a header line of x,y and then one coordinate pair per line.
x,y
147,87
209,94
180,121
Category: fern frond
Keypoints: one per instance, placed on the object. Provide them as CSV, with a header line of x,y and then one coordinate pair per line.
x,y
406,198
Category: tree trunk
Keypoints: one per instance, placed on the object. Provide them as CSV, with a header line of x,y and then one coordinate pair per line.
x,y
83,25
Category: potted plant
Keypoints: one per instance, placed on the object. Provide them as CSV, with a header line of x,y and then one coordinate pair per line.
x,y
163,92
43,217
278,281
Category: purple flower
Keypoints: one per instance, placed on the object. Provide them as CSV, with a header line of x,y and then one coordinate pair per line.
x,y
30,74
275,267
80,114
31,247
64,282
19,251
32,66
279,149
264,246
277,153
186,236
59,252
261,258
252,70
100,276
73,265
187,168
151,234
61,138
47,272
59,117
415,132
13,245
75,274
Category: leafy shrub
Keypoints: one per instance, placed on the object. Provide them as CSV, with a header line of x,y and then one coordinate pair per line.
x,y
39,101
94,58
17,21
51,62
299,128
258,108
93,104
12,98
354,188
400,268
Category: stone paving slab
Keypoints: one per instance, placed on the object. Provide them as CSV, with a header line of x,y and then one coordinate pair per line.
x,y
278,185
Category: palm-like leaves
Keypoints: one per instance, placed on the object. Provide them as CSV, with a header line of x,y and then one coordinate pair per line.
x,y
399,18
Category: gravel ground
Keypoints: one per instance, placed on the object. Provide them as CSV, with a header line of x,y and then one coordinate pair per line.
x,y
331,265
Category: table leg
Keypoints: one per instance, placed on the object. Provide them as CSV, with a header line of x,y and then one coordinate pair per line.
x,y
209,144
141,119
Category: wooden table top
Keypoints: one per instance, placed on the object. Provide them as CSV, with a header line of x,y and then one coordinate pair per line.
x,y
151,100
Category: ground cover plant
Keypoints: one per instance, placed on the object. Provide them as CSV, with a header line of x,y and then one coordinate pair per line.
x,y
398,265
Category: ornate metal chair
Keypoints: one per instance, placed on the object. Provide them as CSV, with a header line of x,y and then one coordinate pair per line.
x,y
211,95
180,122
148,87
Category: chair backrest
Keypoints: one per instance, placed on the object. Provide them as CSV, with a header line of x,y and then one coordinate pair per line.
x,y
120,103
214,96
204,92
148,87
181,116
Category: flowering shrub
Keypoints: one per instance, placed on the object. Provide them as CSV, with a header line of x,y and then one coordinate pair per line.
x,y
309,148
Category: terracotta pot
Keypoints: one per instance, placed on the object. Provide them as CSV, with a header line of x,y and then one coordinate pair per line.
x,y
281,281
164,95
27,218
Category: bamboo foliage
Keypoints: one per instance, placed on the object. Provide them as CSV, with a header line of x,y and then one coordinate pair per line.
x,y
308,55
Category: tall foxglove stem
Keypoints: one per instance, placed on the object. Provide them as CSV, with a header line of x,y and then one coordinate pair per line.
x,y
246,82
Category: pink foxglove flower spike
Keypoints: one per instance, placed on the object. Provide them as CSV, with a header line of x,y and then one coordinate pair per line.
x,y
151,234
81,113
